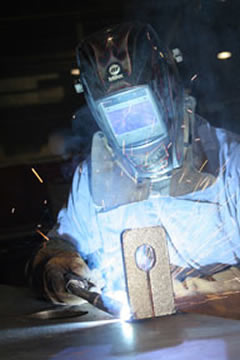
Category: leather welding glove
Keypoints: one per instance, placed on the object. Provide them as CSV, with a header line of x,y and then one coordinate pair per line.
x,y
48,270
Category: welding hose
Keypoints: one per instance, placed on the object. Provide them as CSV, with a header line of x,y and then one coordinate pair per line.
x,y
77,286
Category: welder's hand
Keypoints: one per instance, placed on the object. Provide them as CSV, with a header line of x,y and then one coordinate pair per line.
x,y
54,277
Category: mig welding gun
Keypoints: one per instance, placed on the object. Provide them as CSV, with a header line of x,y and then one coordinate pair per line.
x,y
80,287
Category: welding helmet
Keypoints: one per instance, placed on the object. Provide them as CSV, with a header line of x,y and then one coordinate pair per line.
x,y
133,90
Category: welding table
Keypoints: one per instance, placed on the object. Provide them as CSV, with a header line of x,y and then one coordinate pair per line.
x,y
97,335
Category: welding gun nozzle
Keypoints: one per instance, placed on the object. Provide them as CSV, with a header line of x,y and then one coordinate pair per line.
x,y
100,301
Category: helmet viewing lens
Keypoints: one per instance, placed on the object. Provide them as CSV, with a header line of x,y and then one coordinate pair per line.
x,y
132,116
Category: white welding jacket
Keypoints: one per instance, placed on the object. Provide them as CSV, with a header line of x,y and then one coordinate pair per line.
x,y
202,227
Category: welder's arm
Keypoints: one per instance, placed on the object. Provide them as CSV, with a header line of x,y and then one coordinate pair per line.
x,y
61,254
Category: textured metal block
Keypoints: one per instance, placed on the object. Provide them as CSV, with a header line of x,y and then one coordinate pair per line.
x,y
147,272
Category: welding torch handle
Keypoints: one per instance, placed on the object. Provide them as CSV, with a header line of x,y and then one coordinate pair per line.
x,y
101,302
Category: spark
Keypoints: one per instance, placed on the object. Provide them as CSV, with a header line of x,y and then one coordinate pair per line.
x,y
223,167
13,210
206,184
197,139
135,178
194,77
146,159
181,178
169,145
189,111
45,202
203,165
198,185
36,174
43,235
123,147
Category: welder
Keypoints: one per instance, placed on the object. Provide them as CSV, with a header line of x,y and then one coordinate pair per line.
x,y
154,162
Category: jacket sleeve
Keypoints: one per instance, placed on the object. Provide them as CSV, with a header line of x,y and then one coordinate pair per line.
x,y
73,231
74,220
231,172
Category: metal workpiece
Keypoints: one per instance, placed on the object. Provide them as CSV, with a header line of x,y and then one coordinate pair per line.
x,y
147,272
97,335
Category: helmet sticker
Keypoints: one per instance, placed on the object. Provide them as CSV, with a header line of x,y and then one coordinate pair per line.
x,y
115,72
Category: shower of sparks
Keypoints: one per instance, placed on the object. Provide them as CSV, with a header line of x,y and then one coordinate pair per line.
x,y
203,165
42,234
219,236
37,175
194,77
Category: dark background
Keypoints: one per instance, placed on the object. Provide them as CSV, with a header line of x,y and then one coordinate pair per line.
x,y
37,97
38,100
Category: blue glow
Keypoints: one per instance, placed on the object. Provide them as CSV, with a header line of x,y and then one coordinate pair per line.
x,y
121,297
128,331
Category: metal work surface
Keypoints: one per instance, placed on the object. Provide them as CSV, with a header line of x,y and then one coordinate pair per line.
x,y
97,336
